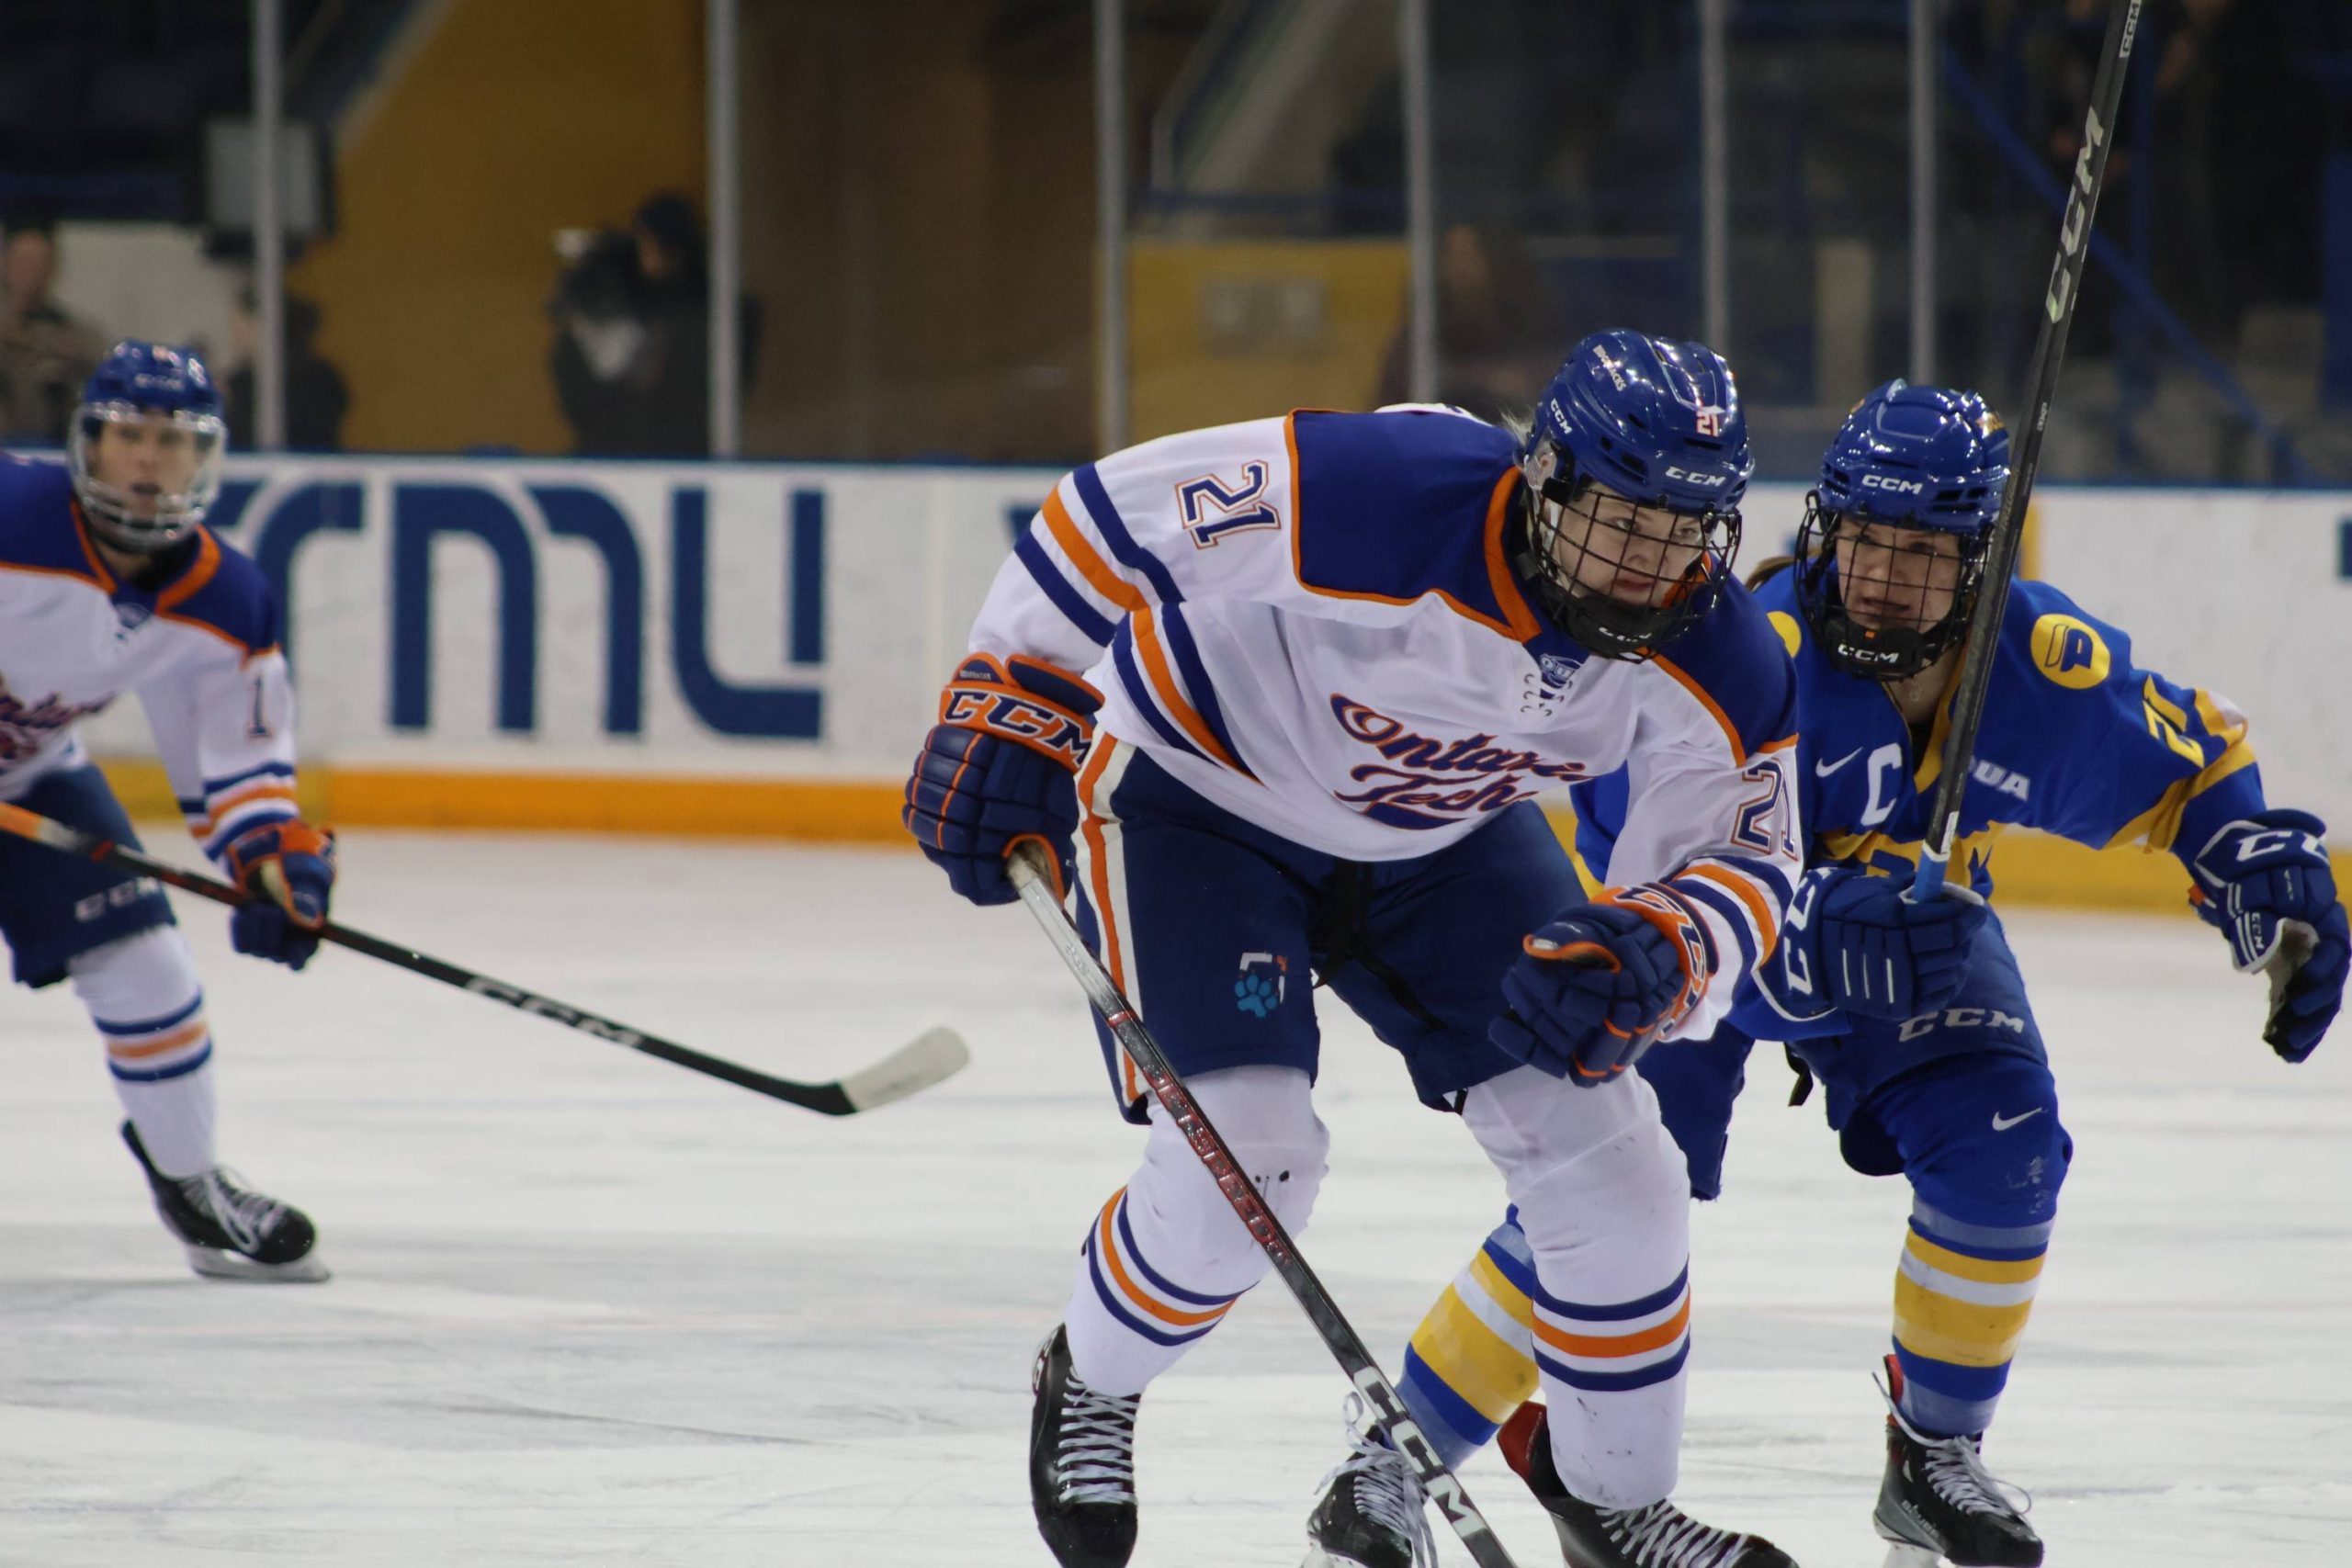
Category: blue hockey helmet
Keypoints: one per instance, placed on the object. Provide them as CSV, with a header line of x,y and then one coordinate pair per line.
x,y
1635,462
147,445
1909,464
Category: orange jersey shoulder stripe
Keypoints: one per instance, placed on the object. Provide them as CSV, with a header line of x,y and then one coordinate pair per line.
x,y
1080,552
1714,708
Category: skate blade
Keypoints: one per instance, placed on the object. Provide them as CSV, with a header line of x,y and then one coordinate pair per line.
x,y
1903,1554
214,1263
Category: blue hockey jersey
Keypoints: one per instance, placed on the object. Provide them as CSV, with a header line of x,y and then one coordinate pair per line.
x,y
2076,740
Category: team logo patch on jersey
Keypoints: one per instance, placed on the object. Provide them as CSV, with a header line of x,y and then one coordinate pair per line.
x,y
2069,652
131,614
1555,670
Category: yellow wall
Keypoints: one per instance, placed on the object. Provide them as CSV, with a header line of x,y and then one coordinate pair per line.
x,y
514,119
1236,329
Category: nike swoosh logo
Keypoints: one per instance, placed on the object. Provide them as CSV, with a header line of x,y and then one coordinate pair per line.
x,y
2003,1124
1822,770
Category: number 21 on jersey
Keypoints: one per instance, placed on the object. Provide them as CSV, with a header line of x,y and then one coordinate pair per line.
x,y
1766,823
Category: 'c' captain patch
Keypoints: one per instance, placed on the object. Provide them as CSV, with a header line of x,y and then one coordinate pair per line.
x,y
2069,652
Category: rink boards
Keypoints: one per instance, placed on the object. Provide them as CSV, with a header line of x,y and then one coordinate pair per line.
x,y
756,648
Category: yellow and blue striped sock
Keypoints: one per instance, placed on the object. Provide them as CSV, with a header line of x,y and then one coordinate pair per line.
x,y
1962,1296
1472,1361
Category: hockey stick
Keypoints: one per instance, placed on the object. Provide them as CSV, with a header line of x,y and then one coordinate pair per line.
x,y
1036,890
932,1056
2008,523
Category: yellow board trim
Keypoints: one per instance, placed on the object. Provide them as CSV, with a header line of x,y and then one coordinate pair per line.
x,y
2035,869
854,811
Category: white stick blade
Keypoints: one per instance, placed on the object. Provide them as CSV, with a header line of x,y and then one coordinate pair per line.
x,y
931,1057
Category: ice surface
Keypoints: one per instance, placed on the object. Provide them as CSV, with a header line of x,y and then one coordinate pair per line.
x,y
589,1308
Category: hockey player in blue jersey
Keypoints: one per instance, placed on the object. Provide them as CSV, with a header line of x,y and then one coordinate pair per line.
x,y
1913,1015
111,582
1309,674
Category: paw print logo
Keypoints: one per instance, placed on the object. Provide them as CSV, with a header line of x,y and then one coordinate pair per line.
x,y
1264,978
1256,994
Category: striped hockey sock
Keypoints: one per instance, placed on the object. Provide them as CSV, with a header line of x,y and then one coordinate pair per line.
x,y
1961,1297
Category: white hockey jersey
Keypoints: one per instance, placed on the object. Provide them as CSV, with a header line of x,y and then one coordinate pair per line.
x,y
1311,621
201,652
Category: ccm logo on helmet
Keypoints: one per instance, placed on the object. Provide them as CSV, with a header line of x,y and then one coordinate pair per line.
x,y
1887,481
1705,482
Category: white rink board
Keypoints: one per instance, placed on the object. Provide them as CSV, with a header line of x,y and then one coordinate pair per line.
x,y
455,614
2240,589
2246,592
589,1309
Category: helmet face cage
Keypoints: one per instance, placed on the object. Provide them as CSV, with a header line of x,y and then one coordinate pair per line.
x,y
133,517
1897,646
1585,537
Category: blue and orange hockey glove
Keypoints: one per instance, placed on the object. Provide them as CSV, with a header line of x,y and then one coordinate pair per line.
x,y
1861,943
996,771
287,868
2265,883
1594,988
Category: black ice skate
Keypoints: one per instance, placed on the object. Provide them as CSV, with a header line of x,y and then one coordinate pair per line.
x,y
1370,1515
1081,1464
231,1232
1658,1536
1939,1503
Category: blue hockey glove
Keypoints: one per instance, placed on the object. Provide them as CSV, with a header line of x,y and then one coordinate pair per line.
x,y
287,868
996,771
1596,988
1859,942
2265,883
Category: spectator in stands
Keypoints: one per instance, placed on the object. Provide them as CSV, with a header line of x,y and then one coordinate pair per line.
x,y
45,353
1496,326
631,359
316,397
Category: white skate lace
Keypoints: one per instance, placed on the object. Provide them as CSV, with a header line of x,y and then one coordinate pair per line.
x,y
1387,1491
1956,1471
1663,1536
246,1215
1097,1462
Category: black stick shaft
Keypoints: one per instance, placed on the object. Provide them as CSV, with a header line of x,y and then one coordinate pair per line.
x,y
1388,1408
828,1098
2008,525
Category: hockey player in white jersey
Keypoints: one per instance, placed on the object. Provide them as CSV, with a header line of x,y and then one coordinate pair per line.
x,y
1276,698
111,582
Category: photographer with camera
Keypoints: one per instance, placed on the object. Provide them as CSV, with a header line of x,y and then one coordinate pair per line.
x,y
631,358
